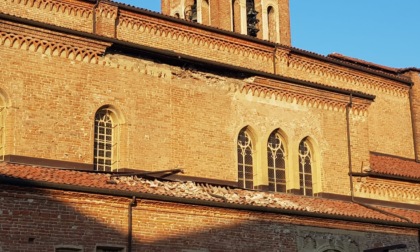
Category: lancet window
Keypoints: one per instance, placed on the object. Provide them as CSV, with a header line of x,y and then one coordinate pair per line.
x,y
105,141
245,160
271,23
276,163
251,18
305,168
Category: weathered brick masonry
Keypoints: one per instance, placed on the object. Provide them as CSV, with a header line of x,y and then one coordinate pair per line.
x,y
178,94
59,214
45,219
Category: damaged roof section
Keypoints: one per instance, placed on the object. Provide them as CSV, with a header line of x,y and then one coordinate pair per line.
x,y
199,193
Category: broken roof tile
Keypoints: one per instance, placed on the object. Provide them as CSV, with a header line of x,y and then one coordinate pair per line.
x,y
203,192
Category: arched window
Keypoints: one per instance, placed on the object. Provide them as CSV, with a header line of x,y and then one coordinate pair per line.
x,y
245,160
190,11
271,24
236,16
276,163
106,140
305,168
251,18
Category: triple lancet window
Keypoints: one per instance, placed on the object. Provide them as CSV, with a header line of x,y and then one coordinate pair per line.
x,y
277,165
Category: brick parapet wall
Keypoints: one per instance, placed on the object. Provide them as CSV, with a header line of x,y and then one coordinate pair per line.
x,y
189,40
74,14
181,37
40,219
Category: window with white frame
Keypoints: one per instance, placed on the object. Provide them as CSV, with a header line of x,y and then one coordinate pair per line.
x,y
105,142
245,160
276,163
305,168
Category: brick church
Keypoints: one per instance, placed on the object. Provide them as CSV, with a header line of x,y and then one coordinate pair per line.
x,y
198,129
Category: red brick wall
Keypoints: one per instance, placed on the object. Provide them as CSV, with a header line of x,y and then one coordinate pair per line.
x,y
37,220
415,77
183,116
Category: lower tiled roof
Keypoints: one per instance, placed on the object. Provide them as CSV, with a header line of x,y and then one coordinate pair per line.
x,y
390,165
346,210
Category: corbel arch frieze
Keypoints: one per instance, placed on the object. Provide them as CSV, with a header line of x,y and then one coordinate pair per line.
x,y
329,71
386,191
174,32
107,10
71,8
53,44
304,96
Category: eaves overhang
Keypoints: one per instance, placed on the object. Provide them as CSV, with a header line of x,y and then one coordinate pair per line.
x,y
5,180
386,176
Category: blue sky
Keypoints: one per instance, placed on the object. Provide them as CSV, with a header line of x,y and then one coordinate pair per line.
x,y
381,31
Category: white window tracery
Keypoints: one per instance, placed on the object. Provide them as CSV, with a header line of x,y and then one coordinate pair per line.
x,y
305,168
276,163
245,160
104,141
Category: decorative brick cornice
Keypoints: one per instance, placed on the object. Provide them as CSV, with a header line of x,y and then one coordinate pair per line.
x,y
306,96
195,38
387,190
50,43
107,10
71,8
345,75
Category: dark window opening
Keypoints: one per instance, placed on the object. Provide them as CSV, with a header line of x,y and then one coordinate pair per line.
x,y
251,19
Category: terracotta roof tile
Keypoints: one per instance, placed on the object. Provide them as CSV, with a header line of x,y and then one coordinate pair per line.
x,y
390,165
363,63
371,65
200,191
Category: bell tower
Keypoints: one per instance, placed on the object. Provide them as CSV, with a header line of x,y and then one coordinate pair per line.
x,y
263,19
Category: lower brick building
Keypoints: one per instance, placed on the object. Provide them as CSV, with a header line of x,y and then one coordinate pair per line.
x,y
50,209
198,129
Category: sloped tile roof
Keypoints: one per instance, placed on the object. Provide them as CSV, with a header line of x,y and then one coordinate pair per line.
x,y
390,165
363,63
203,192
371,65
